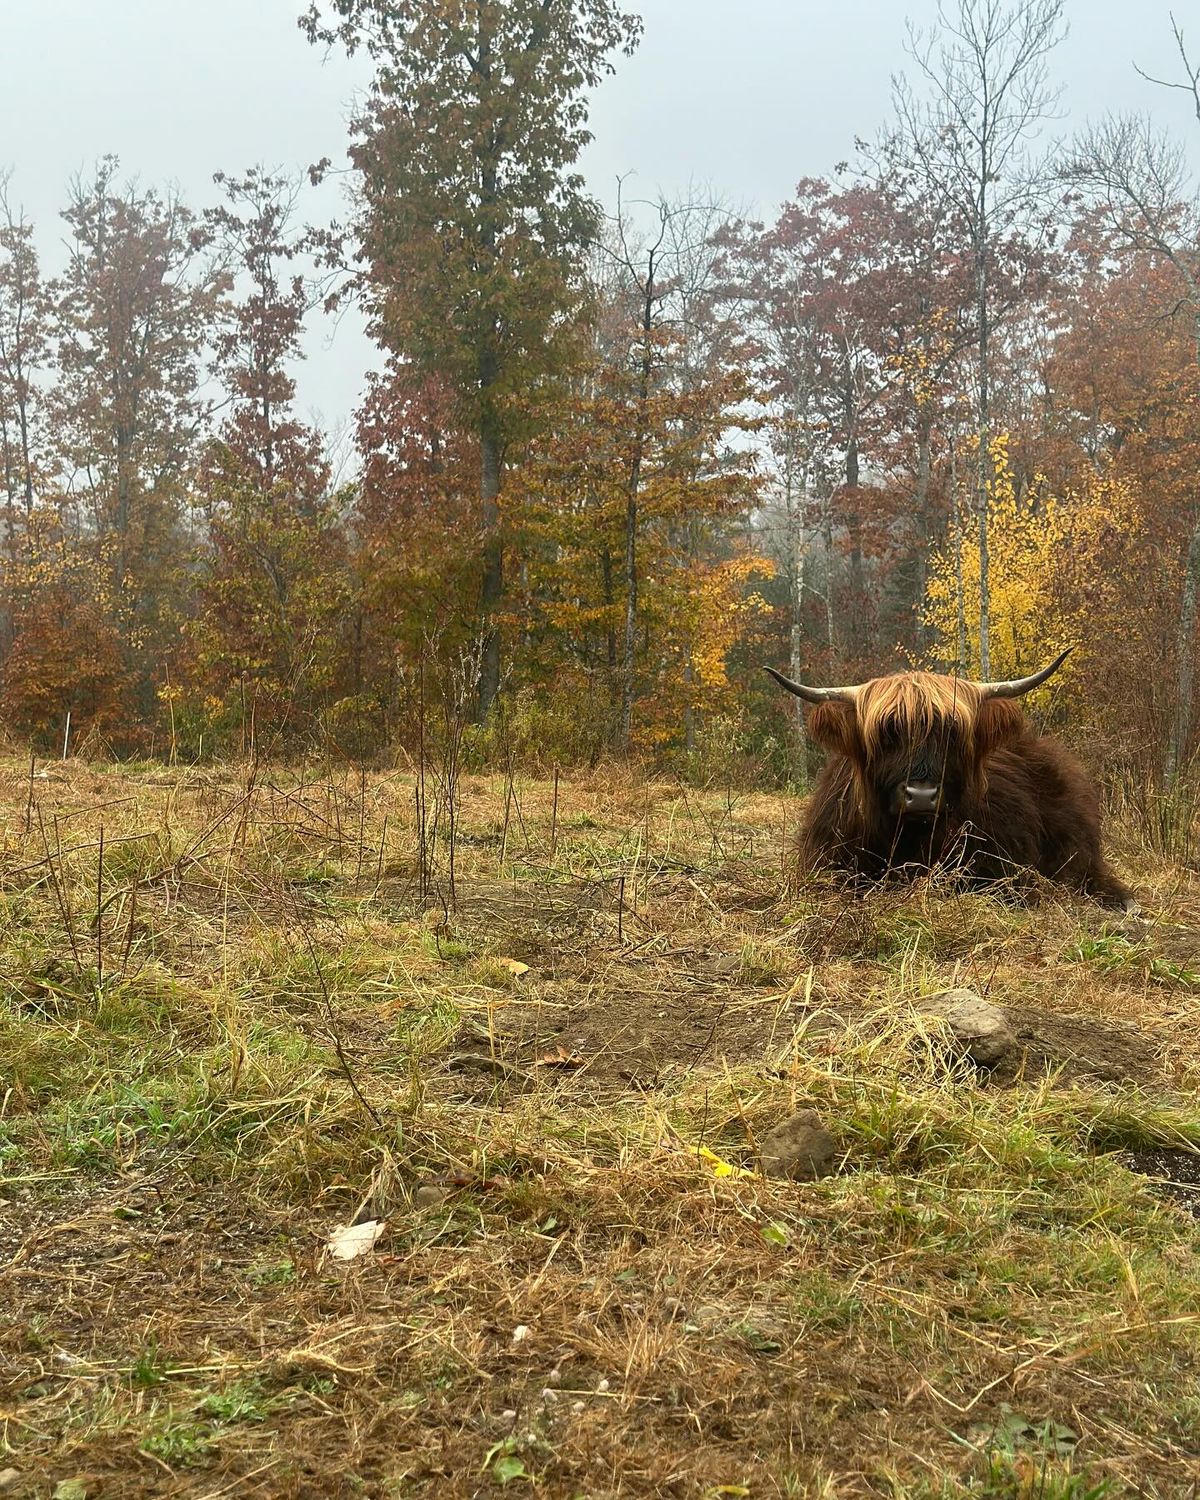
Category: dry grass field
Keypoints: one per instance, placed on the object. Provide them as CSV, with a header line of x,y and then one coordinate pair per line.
x,y
242,1007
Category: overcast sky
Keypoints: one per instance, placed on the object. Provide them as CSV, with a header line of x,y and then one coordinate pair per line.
x,y
746,96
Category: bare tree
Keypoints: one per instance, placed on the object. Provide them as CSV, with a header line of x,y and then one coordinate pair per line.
x,y
804,481
987,93
1140,182
23,351
666,281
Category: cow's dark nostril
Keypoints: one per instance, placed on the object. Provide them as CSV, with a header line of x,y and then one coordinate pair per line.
x,y
921,798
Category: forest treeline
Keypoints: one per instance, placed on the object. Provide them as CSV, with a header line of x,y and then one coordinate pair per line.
x,y
942,408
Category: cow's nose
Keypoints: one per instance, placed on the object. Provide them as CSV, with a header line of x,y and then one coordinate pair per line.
x,y
921,798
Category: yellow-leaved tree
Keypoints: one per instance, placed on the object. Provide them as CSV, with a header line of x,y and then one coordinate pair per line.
x,y
1025,534
1062,571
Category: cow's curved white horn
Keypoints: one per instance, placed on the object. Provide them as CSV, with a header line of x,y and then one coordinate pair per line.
x,y
1020,685
813,694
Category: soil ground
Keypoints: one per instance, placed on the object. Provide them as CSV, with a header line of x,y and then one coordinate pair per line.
x,y
240,1008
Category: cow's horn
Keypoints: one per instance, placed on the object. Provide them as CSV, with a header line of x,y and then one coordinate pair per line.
x,y
812,694
1021,685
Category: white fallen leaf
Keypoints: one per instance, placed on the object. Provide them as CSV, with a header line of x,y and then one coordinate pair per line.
x,y
520,1333
349,1240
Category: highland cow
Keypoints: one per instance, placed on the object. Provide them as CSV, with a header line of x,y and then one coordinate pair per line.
x,y
927,771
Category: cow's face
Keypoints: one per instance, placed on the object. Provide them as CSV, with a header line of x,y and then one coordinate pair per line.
x,y
917,776
918,742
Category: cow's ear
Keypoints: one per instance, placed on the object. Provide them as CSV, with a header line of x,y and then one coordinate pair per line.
x,y
998,723
834,726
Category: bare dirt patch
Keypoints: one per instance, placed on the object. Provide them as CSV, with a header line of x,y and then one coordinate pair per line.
x,y
1082,1048
1175,1175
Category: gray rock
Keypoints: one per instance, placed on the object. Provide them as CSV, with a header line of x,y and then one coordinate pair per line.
x,y
799,1147
980,1030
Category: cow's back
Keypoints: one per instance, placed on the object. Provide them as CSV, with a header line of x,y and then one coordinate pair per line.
x,y
1042,809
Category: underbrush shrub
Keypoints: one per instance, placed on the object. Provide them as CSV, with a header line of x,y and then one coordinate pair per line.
x,y
1163,816
571,723
731,752
355,728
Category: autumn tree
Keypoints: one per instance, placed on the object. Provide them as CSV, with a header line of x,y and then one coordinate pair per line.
x,y
629,510
1140,181
987,91
133,311
24,354
273,588
416,508
858,309
471,218
63,677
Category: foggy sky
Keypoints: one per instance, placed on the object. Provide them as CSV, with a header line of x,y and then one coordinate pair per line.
x,y
742,96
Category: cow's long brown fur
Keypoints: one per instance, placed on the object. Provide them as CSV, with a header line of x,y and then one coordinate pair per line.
x,y
1013,800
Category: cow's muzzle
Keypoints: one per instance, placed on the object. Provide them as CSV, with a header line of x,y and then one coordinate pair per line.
x,y
921,799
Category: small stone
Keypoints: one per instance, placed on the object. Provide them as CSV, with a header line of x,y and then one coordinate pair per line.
x,y
674,1308
799,1147
429,1196
508,1415
602,1386
9,1477
554,1377
520,1333
576,1408
549,1395
981,1031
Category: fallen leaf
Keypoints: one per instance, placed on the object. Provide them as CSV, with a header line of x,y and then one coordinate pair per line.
x,y
462,1177
70,1489
508,1467
561,1057
514,966
350,1240
721,1168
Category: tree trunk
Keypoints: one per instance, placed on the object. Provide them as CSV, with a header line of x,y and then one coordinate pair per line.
x,y
962,665
984,456
493,564
1185,669
631,601
632,492
610,632
855,632
796,668
491,448
795,514
10,490
689,712
921,510
827,536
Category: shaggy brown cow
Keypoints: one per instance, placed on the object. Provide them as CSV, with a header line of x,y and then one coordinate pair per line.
x,y
927,771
